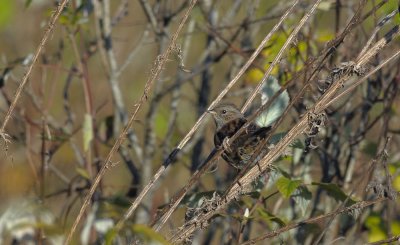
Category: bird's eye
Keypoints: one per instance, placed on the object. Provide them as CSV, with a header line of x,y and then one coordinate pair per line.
x,y
223,111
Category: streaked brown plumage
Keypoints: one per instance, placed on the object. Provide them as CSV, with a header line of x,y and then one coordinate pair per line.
x,y
229,120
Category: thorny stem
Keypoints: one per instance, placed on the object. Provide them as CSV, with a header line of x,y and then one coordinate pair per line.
x,y
356,206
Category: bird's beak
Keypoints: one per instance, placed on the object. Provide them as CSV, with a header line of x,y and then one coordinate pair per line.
x,y
212,112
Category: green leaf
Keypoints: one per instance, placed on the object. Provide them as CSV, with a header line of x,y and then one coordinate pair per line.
x,y
395,226
302,197
374,224
27,3
287,186
83,173
267,216
297,144
119,200
396,183
161,123
334,191
277,137
87,131
370,148
148,234
324,36
282,172
110,235
374,220
6,12
64,20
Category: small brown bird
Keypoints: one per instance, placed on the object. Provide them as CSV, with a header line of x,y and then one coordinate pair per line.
x,y
229,120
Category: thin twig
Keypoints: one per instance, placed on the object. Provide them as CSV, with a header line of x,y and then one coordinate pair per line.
x,y
279,55
318,219
42,43
138,105
386,241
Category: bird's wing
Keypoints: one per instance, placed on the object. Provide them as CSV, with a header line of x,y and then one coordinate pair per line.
x,y
247,148
228,130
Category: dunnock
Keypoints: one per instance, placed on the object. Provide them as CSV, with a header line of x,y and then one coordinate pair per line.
x,y
229,120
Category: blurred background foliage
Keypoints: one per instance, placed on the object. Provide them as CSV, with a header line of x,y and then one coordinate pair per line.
x,y
68,119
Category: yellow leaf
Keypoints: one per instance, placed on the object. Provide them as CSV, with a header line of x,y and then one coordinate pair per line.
x,y
396,183
254,75
82,172
6,12
325,6
87,131
395,225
